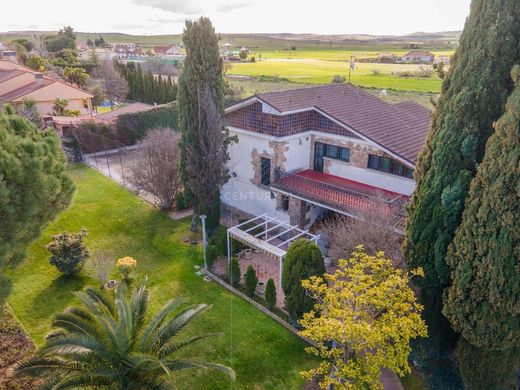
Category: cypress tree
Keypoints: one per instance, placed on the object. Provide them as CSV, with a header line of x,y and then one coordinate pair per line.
x,y
472,98
483,302
202,69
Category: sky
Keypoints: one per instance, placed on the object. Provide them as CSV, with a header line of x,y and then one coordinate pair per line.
x,y
377,17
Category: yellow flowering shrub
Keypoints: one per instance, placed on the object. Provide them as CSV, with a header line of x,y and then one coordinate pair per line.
x,y
125,265
365,316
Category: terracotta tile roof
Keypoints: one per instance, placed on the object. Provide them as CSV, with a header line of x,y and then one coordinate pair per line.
x,y
9,74
28,88
400,128
341,194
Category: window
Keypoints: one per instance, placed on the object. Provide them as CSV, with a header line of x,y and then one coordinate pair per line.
x,y
389,165
336,152
265,171
285,203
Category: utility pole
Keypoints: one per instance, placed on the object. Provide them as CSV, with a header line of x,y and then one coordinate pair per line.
x,y
351,66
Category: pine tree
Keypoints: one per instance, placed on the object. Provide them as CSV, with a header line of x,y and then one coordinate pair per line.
x,y
251,281
472,98
34,187
483,302
202,69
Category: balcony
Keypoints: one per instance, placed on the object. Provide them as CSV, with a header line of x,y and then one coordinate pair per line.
x,y
341,195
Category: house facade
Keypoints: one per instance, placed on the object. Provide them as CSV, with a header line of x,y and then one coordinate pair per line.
x,y
336,148
419,56
18,83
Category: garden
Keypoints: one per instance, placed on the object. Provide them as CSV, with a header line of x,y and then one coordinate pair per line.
x,y
264,356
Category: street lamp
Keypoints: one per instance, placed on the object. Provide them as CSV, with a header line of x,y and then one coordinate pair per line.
x,y
203,220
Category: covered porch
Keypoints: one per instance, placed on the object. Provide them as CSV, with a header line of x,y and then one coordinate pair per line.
x,y
267,240
337,194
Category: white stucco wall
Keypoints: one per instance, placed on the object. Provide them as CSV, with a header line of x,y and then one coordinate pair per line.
x,y
371,177
239,192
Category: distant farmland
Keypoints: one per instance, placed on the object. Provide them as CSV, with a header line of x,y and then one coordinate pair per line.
x,y
321,72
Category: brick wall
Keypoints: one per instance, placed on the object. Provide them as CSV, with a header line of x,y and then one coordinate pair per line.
x,y
253,119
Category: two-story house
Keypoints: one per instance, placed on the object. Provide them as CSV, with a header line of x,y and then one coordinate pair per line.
x,y
303,152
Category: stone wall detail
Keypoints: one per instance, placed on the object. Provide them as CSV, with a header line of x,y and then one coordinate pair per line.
x,y
277,156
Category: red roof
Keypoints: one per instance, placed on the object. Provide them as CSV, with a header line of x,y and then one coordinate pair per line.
x,y
338,193
27,88
400,128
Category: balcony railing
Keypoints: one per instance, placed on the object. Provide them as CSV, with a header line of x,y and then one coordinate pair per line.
x,y
342,195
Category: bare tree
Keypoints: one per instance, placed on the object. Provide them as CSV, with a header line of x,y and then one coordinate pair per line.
x,y
375,227
102,264
206,157
156,170
114,85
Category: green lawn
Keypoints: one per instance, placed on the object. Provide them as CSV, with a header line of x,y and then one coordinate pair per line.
x,y
321,72
263,354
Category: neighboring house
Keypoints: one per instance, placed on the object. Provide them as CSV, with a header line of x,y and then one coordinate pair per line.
x,y
103,54
9,55
446,60
18,82
124,50
304,152
418,57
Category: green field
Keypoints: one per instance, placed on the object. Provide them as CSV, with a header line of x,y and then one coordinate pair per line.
x,y
339,54
321,72
263,353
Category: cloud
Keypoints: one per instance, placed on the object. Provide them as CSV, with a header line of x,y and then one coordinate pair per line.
x,y
227,7
180,19
192,7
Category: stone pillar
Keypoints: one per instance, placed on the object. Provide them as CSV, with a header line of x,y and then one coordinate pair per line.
x,y
298,212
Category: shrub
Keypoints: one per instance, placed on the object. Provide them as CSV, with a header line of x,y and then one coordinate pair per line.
x,y
134,126
303,260
251,281
102,264
270,294
234,273
211,254
219,241
68,252
338,79
125,265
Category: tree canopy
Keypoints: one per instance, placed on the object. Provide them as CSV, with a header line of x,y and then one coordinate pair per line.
x,y
483,302
34,186
365,316
201,81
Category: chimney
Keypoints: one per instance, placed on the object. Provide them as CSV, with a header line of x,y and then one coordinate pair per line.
x,y
38,77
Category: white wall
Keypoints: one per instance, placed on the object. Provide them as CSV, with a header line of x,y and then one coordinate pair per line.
x,y
239,192
298,156
389,182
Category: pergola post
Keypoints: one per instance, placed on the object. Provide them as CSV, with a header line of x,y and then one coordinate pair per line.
x,y
228,247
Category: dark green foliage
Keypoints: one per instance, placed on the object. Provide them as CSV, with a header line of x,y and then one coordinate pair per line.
x,y
270,294
251,281
183,201
110,342
483,369
133,127
68,252
473,97
234,273
27,44
144,87
203,70
303,260
34,186
219,240
483,300
211,254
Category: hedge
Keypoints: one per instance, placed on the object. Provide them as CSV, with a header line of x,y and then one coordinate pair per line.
x,y
134,126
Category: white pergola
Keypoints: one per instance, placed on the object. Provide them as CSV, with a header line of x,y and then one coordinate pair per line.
x,y
271,237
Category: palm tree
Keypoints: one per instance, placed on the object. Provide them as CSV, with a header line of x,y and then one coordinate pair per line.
x,y
108,343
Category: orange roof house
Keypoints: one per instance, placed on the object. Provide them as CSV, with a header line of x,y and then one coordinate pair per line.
x,y
18,82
